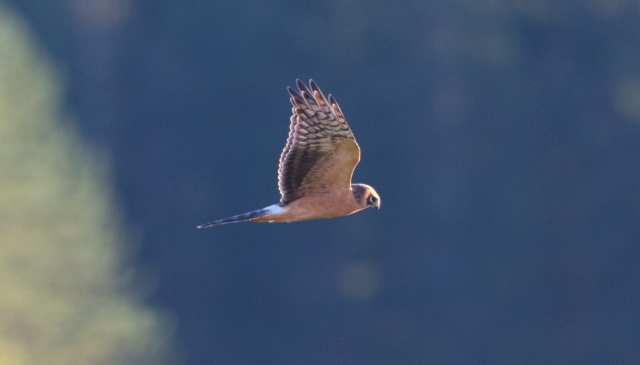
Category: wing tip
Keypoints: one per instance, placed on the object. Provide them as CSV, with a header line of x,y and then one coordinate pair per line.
x,y
295,94
313,85
302,89
301,85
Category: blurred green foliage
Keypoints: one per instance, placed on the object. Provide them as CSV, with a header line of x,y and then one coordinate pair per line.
x,y
66,293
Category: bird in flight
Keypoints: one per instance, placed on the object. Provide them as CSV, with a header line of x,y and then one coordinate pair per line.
x,y
316,165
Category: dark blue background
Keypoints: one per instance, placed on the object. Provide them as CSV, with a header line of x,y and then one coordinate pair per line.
x,y
502,136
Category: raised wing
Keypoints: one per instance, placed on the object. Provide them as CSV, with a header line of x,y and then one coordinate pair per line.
x,y
321,152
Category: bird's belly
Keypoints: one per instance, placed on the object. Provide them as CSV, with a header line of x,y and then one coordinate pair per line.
x,y
316,207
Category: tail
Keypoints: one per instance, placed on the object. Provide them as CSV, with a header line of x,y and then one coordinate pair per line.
x,y
243,217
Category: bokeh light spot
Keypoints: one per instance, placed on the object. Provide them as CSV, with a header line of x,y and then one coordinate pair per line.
x,y
359,280
107,13
626,97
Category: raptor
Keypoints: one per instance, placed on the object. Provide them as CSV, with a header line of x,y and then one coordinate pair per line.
x,y
316,165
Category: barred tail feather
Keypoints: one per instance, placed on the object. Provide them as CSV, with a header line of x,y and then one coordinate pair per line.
x,y
249,216
237,218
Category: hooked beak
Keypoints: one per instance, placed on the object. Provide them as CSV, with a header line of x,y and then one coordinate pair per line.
x,y
373,201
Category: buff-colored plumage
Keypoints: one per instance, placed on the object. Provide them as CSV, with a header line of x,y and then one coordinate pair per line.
x,y
316,165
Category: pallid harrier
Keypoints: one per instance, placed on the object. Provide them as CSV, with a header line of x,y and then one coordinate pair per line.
x,y
316,165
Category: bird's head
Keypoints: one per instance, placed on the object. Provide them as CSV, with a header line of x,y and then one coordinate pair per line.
x,y
366,196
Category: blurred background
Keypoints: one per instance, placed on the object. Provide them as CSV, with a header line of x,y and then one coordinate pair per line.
x,y
502,135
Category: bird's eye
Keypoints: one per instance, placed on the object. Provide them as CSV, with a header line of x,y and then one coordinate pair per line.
x,y
373,199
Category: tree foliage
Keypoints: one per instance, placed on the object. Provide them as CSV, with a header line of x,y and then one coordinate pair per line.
x,y
66,294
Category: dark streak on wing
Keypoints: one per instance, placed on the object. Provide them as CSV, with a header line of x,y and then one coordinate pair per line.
x,y
316,133
299,162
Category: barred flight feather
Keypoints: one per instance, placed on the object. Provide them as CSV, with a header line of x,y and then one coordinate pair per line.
x,y
320,145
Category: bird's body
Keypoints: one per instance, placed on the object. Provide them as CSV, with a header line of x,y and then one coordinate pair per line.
x,y
316,166
329,205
